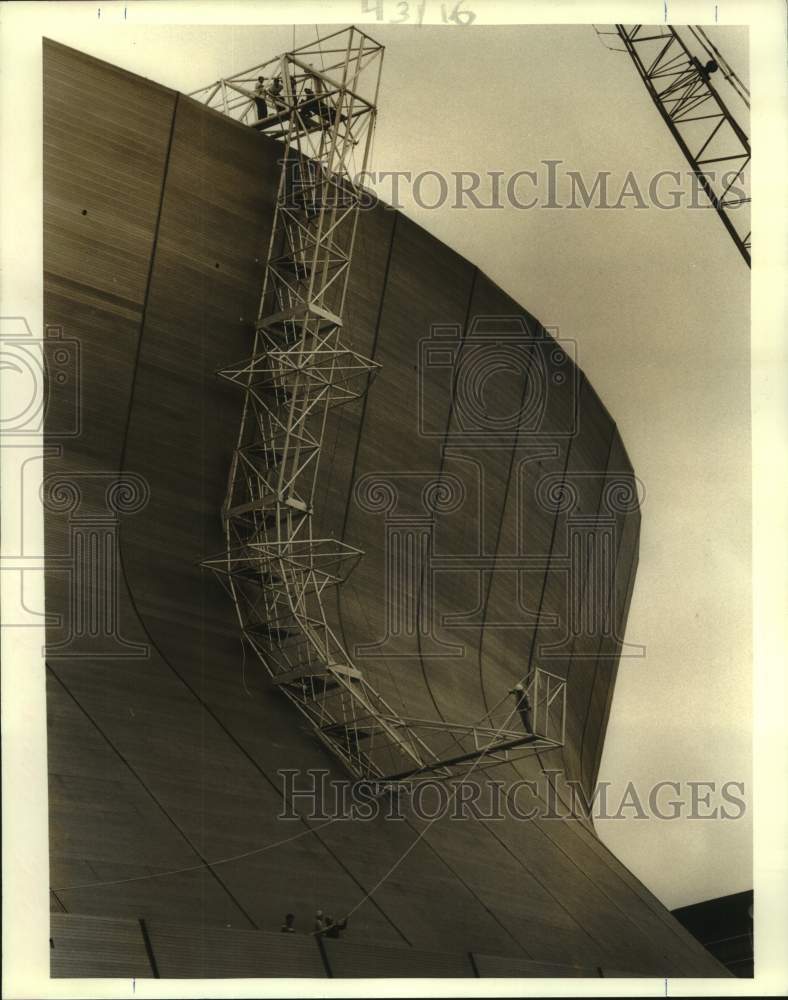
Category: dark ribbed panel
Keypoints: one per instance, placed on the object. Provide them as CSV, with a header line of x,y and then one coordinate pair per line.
x,y
98,947
358,960
171,760
363,303
105,146
94,947
426,284
514,968
188,951
600,672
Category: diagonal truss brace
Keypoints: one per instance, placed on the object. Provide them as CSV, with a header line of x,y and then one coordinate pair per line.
x,y
274,567
712,141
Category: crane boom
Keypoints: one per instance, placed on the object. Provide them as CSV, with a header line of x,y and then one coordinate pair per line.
x,y
704,128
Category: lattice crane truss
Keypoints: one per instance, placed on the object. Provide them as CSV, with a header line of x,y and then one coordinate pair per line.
x,y
681,86
275,567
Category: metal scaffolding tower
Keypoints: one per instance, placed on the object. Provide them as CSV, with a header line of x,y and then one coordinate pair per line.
x,y
276,568
712,141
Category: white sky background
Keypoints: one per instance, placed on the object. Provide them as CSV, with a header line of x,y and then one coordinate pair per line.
x,y
658,304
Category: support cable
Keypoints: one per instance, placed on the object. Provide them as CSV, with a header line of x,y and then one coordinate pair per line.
x,y
266,847
601,36
202,866
714,53
422,834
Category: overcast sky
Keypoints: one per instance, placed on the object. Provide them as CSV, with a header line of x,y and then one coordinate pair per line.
x,y
657,302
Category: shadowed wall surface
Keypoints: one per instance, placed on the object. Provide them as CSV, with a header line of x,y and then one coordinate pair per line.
x,y
165,739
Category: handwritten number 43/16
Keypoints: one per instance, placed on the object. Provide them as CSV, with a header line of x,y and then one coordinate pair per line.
x,y
455,15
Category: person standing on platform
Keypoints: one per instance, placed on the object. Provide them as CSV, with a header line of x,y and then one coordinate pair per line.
x,y
523,706
308,106
288,927
275,92
259,98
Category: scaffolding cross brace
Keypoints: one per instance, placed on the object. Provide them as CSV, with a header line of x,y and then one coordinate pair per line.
x,y
275,567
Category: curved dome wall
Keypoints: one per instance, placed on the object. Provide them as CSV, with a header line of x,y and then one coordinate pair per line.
x,y
165,742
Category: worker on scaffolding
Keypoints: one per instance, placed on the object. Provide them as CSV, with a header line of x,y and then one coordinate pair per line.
x,y
704,69
259,98
275,93
308,107
523,706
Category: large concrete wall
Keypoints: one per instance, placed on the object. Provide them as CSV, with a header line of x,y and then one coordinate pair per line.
x,y
164,747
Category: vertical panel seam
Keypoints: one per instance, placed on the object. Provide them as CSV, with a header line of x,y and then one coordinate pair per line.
x,y
504,503
552,544
441,464
321,947
149,948
598,745
373,352
584,583
148,282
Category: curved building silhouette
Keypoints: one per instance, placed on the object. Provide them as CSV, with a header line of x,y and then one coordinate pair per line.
x,y
496,508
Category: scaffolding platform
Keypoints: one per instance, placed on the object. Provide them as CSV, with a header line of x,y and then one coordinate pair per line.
x,y
275,567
